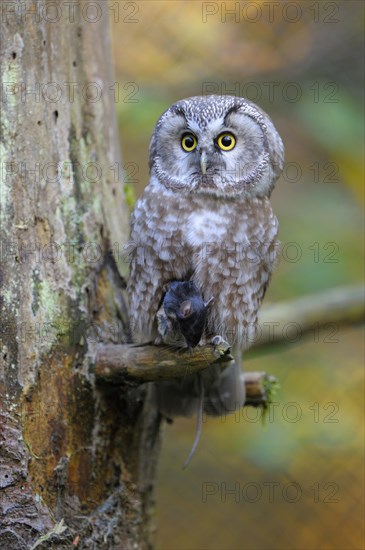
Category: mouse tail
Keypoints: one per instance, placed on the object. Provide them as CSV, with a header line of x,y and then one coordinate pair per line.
x,y
199,423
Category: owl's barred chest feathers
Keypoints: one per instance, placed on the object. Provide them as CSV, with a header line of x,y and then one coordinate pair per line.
x,y
227,247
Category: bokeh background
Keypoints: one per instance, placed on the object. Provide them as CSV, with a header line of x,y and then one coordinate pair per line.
x,y
297,480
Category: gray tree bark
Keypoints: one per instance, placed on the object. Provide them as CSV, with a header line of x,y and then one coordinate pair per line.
x,y
77,459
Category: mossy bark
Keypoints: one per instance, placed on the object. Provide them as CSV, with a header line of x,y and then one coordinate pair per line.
x,y
70,449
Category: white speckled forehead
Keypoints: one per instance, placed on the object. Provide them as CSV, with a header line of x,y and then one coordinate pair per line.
x,y
201,111
212,126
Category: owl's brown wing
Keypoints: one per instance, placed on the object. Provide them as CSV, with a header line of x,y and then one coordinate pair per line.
x,y
156,257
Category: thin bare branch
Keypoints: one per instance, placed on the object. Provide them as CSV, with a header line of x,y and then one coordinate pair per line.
x,y
334,307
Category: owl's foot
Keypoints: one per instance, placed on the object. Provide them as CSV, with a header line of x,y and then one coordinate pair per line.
x,y
158,341
221,346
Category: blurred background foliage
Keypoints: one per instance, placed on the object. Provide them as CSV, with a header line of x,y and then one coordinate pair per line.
x,y
303,63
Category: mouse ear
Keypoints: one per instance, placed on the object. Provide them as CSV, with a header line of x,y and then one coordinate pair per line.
x,y
186,309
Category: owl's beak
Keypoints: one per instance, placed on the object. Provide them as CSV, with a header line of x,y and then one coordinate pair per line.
x,y
203,162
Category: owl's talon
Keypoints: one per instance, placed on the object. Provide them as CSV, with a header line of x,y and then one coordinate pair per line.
x,y
220,345
158,341
218,340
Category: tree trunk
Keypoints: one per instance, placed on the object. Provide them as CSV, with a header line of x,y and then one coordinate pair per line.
x,y
70,449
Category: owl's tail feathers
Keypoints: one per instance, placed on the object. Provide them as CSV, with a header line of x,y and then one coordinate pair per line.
x,y
218,391
224,396
178,397
225,390
215,391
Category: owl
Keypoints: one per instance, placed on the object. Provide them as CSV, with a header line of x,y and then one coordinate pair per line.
x,y
205,217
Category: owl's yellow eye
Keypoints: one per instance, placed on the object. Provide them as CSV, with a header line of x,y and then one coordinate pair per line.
x,y
226,141
189,142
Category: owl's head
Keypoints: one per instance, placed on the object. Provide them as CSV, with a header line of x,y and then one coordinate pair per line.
x,y
218,145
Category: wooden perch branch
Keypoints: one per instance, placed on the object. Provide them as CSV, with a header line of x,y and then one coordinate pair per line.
x,y
149,363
